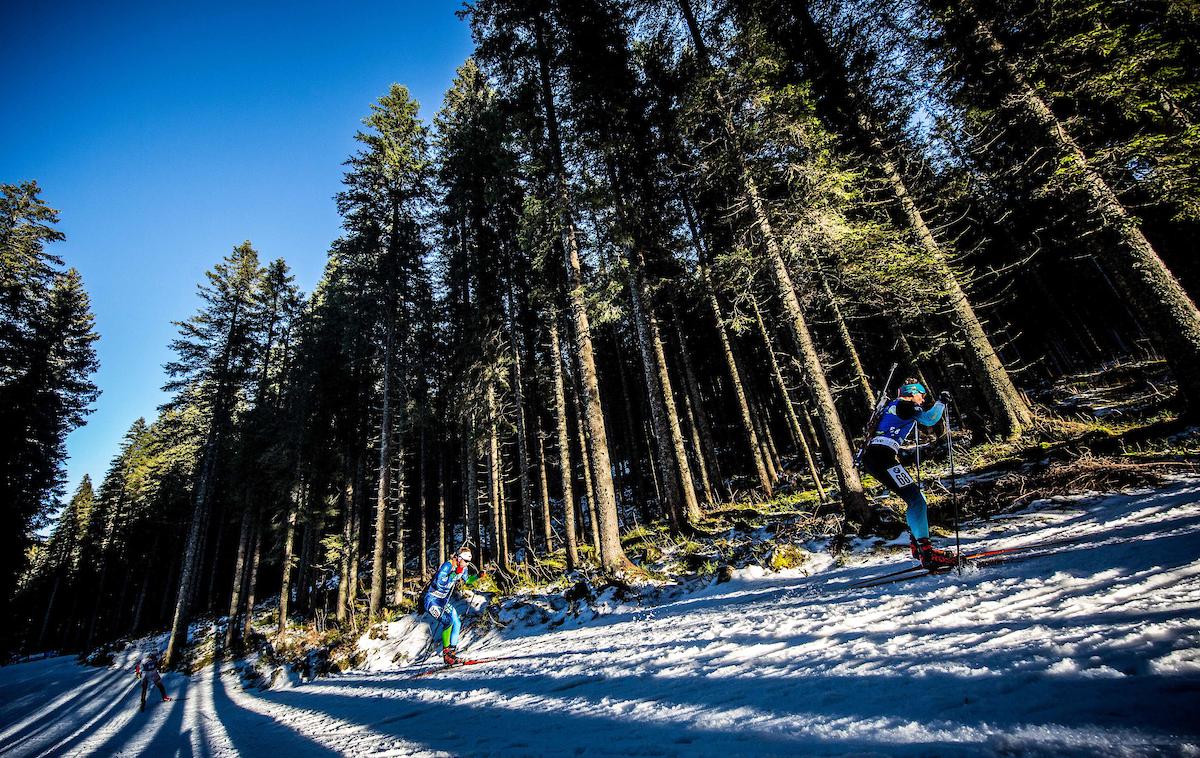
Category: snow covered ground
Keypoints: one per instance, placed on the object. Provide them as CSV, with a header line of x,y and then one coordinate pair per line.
x,y
1093,650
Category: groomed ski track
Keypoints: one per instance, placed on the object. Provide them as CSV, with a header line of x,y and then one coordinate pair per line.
x,y
1093,650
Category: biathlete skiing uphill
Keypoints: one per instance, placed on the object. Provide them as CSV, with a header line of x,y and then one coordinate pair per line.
x,y
437,602
881,459
146,669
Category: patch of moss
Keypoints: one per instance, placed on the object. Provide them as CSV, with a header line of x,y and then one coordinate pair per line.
x,y
644,533
785,556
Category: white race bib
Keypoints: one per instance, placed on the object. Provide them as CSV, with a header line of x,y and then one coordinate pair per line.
x,y
900,476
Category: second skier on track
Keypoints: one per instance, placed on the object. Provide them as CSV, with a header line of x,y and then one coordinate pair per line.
x,y
146,669
437,601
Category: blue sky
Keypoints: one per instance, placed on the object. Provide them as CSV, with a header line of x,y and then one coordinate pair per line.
x,y
167,133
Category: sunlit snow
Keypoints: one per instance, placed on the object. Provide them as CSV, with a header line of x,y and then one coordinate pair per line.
x,y
1092,650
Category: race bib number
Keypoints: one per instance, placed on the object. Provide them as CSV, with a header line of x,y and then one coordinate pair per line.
x,y
435,611
900,476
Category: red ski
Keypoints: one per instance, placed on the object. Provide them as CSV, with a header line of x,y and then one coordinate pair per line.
x,y
981,558
456,664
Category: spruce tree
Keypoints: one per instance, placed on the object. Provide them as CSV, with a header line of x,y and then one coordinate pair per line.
x,y
383,204
212,367
47,357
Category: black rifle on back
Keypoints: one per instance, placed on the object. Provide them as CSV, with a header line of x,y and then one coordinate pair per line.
x,y
880,405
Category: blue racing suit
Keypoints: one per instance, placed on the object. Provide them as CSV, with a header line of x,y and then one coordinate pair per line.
x,y
437,603
882,457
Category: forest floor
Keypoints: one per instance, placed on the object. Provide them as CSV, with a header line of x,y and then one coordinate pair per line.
x,y
1092,649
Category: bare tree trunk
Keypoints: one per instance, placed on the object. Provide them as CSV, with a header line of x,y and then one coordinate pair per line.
x,y
622,447
303,583
209,595
179,624
564,447
707,448
544,486
401,485
471,483
681,505
633,442
165,603
697,447
289,540
526,486
670,505
764,413
252,580
612,555
140,609
839,321
347,502
379,564
41,638
735,374
764,444
588,503
502,507
422,496
765,479
360,498
494,497
906,353
114,619
441,503
691,507
786,398
239,576
653,465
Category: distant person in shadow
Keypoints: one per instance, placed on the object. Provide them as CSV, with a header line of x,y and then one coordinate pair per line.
x,y
147,670
437,601
881,459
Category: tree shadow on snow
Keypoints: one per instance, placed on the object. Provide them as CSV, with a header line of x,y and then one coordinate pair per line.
x,y
92,694
820,711
254,734
533,728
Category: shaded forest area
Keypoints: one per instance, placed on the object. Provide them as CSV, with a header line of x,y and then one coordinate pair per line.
x,y
648,258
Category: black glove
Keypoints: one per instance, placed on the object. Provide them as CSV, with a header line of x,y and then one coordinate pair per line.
x,y
944,397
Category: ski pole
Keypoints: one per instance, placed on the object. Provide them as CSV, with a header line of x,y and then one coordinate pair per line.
x,y
953,490
917,451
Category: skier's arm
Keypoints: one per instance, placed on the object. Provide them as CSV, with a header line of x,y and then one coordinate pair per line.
x,y
444,581
933,415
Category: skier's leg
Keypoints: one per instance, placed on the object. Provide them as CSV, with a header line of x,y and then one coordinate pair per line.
x,y
145,687
451,634
438,625
917,513
161,689
883,464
